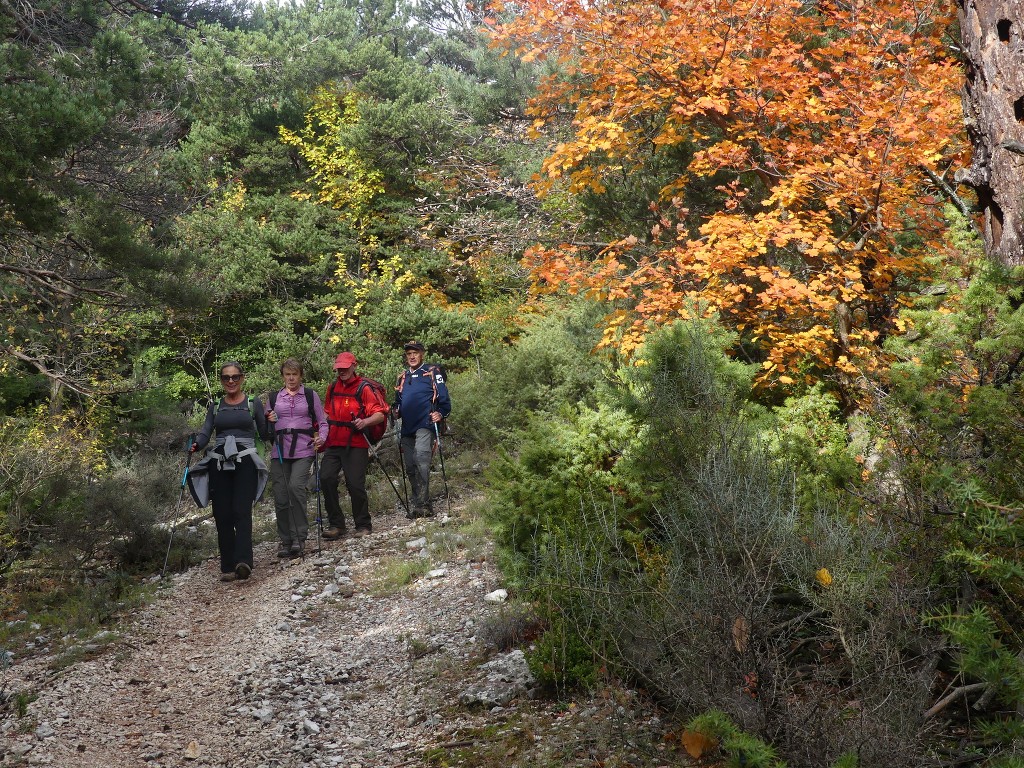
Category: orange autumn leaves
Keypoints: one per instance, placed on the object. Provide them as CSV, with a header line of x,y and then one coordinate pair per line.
x,y
797,208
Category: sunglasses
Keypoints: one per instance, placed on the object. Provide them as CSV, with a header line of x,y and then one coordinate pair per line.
x,y
232,377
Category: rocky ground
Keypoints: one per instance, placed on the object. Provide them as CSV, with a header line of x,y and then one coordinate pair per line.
x,y
373,652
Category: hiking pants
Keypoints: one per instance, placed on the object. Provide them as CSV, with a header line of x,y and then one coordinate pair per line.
x,y
232,493
353,462
290,478
416,453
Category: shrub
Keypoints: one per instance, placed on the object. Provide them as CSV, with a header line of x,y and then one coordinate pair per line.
x,y
561,468
694,564
951,411
511,627
550,367
561,660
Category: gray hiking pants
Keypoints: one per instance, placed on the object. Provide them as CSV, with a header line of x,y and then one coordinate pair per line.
x,y
417,450
290,478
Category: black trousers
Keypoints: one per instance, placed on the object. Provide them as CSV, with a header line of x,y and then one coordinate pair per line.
x,y
232,493
352,462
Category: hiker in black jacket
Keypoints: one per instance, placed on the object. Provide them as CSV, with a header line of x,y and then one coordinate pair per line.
x,y
231,475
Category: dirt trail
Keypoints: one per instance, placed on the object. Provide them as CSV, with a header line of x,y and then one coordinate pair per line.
x,y
279,670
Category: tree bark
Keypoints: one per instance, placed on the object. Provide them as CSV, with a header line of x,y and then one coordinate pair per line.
x,y
992,33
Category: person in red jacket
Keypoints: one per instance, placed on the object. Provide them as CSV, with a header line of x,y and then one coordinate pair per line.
x,y
351,407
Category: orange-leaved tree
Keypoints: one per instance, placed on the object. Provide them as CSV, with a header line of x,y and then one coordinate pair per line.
x,y
795,140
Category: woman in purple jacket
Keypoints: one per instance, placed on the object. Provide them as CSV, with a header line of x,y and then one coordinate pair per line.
x,y
300,428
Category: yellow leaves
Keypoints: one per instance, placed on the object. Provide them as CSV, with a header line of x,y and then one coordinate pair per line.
x,y
819,156
823,577
68,439
343,179
234,198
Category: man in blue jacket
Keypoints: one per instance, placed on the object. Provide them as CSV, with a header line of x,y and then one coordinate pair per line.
x,y
422,403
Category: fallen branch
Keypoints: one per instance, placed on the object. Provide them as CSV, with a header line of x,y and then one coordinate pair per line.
x,y
958,693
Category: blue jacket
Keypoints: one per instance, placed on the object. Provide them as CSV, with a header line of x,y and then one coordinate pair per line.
x,y
417,394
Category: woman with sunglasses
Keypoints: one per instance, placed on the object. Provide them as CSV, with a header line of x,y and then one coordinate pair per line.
x,y
237,474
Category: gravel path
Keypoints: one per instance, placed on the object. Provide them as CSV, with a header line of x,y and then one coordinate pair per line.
x,y
310,662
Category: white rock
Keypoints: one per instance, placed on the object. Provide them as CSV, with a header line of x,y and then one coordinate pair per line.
x,y
497,596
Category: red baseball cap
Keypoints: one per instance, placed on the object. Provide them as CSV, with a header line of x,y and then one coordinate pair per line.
x,y
344,360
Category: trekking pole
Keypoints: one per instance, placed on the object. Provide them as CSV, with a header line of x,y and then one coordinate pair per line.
x,y
373,452
401,463
403,502
316,490
444,475
177,507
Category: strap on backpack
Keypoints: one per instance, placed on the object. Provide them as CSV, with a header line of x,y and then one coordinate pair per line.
x,y
363,384
310,409
430,368
359,415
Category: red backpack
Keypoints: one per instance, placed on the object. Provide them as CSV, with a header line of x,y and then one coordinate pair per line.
x,y
373,434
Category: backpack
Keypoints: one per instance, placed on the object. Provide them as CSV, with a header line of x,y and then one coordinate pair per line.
x,y
218,405
374,433
434,369
312,420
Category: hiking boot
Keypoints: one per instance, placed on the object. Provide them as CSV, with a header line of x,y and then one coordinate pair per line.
x,y
360,532
229,576
334,532
242,570
295,550
284,549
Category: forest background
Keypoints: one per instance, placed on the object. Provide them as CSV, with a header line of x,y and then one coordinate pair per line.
x,y
742,362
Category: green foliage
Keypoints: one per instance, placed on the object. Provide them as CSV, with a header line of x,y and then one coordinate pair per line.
x,y
80,197
672,537
957,381
814,440
952,415
549,368
1009,761
562,661
982,654
684,393
742,749
562,467
20,389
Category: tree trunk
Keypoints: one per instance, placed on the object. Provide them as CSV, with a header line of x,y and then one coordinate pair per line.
x,y
992,33
56,396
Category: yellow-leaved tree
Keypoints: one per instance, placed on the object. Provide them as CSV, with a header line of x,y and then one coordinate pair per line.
x,y
803,136
345,181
